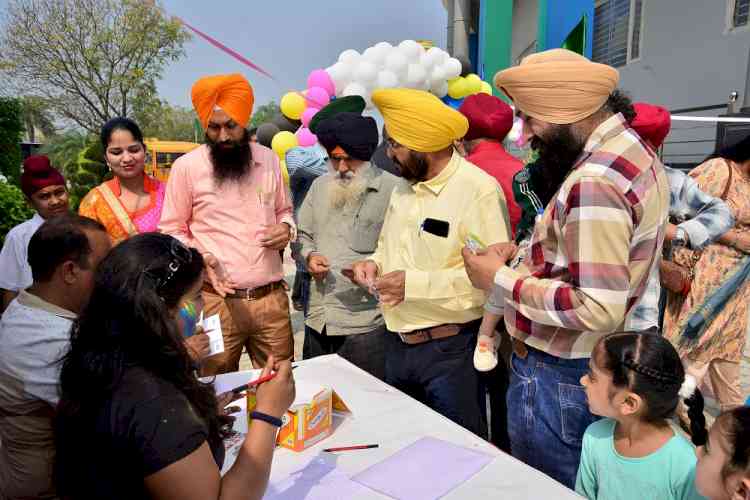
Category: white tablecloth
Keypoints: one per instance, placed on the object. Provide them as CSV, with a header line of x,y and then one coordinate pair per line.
x,y
386,416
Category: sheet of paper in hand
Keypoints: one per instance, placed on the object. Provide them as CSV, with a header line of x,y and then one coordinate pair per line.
x,y
212,327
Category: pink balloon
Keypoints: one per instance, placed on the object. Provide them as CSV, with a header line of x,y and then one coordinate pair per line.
x,y
321,78
305,137
317,97
307,115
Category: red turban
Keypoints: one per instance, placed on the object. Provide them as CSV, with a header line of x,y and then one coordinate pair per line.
x,y
488,117
39,174
652,123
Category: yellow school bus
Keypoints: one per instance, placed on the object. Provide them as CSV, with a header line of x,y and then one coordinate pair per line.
x,y
161,155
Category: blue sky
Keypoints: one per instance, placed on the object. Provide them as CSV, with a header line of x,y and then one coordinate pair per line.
x,y
289,38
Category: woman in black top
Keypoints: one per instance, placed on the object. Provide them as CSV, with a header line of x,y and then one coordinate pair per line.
x,y
133,420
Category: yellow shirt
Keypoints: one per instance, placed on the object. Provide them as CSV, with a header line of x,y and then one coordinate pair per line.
x,y
438,291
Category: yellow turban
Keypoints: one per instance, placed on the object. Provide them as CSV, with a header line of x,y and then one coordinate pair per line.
x,y
558,86
419,120
232,93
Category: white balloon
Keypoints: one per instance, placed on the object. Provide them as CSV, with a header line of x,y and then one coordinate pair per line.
x,y
383,46
452,68
397,63
386,80
349,55
415,76
411,49
355,88
437,75
365,72
433,57
341,74
440,89
370,54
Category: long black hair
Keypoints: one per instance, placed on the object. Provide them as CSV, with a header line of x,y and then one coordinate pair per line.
x,y
130,321
648,365
739,152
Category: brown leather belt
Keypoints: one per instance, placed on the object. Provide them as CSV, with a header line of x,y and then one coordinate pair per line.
x,y
427,334
248,293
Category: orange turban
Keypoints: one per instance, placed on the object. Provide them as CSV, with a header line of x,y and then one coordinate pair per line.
x,y
558,86
232,93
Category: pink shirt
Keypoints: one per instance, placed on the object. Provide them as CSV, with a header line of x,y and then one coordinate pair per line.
x,y
228,220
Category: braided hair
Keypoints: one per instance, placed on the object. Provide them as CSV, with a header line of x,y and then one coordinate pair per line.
x,y
648,365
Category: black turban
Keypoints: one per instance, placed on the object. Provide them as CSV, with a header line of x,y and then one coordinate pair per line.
x,y
347,104
356,134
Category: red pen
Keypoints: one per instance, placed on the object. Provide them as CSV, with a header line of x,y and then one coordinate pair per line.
x,y
349,448
257,381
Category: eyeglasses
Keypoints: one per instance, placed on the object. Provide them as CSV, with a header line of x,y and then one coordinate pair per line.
x,y
393,144
180,255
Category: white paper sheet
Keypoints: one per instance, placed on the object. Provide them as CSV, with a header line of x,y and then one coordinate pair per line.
x,y
212,327
319,479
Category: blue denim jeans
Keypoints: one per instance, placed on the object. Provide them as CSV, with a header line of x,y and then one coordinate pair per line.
x,y
440,373
548,413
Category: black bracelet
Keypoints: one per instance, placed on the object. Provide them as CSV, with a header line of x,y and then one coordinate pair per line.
x,y
276,422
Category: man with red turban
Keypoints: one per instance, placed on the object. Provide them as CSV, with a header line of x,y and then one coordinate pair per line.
x,y
696,219
490,120
45,191
227,199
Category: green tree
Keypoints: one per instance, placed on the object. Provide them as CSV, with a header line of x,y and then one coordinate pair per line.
x,y
63,149
86,172
36,116
88,59
265,113
11,129
163,121
14,208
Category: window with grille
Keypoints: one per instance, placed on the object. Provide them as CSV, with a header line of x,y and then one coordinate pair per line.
x,y
618,28
741,12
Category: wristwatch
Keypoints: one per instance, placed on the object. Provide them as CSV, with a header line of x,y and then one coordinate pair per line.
x,y
680,238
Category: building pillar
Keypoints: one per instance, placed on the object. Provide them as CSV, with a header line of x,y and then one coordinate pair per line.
x,y
495,28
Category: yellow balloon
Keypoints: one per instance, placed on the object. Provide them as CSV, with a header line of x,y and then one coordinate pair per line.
x,y
486,88
293,105
284,172
283,142
474,84
457,88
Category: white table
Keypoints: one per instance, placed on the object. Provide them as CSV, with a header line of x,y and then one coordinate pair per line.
x,y
388,417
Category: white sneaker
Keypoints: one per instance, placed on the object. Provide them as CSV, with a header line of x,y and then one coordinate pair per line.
x,y
485,353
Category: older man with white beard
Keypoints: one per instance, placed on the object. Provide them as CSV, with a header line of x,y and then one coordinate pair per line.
x,y
339,223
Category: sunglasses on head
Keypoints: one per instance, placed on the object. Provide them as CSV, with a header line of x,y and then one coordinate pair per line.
x,y
179,255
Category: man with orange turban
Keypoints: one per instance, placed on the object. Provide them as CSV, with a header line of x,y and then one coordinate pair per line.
x,y
431,311
228,200
591,256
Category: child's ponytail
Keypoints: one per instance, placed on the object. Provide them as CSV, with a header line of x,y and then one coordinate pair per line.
x,y
693,399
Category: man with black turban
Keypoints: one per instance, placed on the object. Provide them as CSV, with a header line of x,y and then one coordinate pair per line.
x,y
339,223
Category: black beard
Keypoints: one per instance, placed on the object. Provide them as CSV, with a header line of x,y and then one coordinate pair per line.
x,y
558,153
230,159
414,169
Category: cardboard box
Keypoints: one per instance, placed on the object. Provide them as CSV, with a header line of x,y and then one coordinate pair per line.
x,y
309,420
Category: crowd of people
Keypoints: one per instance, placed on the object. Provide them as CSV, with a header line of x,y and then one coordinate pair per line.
x,y
586,295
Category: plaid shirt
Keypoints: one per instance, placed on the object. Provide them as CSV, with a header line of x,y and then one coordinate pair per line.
x,y
702,217
594,248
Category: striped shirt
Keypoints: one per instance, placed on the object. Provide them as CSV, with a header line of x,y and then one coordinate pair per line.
x,y
593,249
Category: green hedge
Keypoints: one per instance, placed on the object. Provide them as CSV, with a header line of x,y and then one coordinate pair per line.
x,y
13,208
11,131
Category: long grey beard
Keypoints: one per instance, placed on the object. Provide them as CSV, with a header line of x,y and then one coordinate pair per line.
x,y
343,193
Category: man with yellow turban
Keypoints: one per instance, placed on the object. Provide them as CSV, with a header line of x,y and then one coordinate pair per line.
x,y
591,255
432,312
228,200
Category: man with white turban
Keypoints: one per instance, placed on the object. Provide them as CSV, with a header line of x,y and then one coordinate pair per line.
x,y
431,310
591,254
227,199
